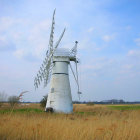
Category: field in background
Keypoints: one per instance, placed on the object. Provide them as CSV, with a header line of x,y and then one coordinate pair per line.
x,y
88,122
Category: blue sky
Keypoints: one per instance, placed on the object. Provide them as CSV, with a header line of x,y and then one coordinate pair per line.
x,y
109,45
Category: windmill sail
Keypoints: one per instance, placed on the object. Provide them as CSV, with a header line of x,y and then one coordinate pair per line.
x,y
45,69
52,33
57,43
47,72
47,63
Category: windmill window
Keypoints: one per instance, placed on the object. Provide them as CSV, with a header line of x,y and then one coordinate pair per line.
x,y
52,90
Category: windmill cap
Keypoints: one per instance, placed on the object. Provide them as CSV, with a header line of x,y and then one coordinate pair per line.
x,y
62,52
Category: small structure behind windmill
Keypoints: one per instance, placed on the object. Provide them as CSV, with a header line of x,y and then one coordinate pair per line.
x,y
55,67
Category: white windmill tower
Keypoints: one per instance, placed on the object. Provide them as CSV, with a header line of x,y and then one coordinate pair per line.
x,y
55,66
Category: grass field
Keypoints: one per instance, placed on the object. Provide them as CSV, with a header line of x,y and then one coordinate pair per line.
x,y
94,122
125,107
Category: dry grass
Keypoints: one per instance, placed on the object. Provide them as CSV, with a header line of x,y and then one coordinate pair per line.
x,y
86,123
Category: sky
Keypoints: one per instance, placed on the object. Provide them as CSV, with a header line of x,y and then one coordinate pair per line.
x,y
108,33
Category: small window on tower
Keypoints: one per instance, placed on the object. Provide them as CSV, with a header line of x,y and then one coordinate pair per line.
x,y
52,90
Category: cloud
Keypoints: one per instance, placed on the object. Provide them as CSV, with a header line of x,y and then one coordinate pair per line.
x,y
5,23
128,27
108,38
28,37
90,29
129,67
99,66
6,45
126,68
134,53
137,41
31,58
19,53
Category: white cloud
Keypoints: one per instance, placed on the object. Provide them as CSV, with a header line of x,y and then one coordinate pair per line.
x,y
19,53
87,44
92,67
108,38
137,41
5,23
126,68
128,27
2,38
90,29
6,45
99,66
134,53
30,38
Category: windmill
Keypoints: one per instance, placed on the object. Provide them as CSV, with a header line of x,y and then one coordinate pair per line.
x,y
55,67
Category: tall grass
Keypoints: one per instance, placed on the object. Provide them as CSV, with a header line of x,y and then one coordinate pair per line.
x,y
96,122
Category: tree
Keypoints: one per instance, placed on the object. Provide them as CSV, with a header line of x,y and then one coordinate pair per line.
x,y
13,100
43,101
90,103
3,98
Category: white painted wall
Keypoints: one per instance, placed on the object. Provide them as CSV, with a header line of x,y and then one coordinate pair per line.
x,y
59,97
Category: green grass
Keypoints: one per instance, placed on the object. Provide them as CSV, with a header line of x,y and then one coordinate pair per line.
x,y
124,107
23,110
35,110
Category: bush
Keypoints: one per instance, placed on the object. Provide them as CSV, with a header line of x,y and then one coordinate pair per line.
x,y
13,100
44,101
